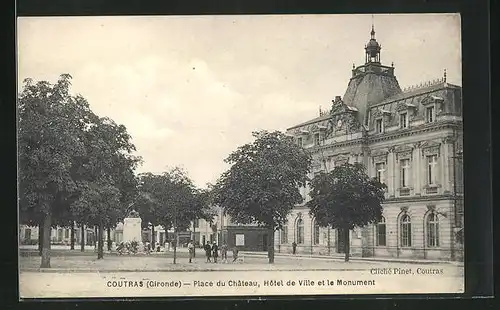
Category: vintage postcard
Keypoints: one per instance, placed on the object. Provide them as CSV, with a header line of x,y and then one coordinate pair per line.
x,y
240,155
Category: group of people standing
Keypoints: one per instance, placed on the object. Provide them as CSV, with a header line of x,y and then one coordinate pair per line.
x,y
212,252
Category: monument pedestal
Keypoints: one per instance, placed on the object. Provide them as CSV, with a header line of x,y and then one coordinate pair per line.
x,y
132,229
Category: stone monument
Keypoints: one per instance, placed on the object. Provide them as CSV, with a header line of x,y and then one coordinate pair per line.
x,y
132,227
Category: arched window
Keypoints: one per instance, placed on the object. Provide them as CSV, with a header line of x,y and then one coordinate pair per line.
x,y
405,231
432,230
381,233
316,233
284,234
300,231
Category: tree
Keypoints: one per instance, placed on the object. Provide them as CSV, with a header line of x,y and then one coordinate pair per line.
x,y
346,198
50,123
106,179
171,200
148,208
262,184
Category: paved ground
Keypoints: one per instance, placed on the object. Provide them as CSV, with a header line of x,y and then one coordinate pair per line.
x,y
164,262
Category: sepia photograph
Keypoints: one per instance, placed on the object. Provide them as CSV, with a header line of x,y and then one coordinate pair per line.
x,y
240,155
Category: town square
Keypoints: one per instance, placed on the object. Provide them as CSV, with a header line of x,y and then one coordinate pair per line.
x,y
240,155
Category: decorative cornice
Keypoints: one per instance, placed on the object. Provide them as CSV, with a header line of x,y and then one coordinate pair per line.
x,y
367,140
403,151
405,199
449,139
379,152
403,148
414,131
418,199
403,106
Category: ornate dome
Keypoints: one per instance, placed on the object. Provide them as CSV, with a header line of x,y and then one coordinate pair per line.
x,y
373,48
372,43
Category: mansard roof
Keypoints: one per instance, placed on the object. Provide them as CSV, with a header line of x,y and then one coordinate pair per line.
x,y
314,120
403,96
417,91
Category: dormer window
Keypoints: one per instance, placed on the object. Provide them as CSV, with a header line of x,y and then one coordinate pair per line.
x,y
299,141
379,125
316,139
429,114
403,120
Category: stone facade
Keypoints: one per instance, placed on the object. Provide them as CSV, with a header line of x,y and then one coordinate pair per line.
x,y
411,140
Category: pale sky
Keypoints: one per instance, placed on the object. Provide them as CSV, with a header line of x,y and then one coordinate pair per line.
x,y
191,89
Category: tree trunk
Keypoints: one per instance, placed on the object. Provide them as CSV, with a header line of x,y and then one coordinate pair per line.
x,y
175,245
47,225
346,244
153,236
82,239
96,232
109,238
100,242
40,238
270,245
72,244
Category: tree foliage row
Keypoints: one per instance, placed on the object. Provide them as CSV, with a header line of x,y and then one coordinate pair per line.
x,y
262,186
73,164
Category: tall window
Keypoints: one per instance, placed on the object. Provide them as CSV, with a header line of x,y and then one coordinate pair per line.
x,y
66,233
432,230
405,231
300,231
381,234
299,141
316,233
316,139
27,234
379,125
380,172
59,234
432,169
405,172
403,120
429,114
284,234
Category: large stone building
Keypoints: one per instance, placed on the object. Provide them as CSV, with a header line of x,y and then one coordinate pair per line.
x,y
410,140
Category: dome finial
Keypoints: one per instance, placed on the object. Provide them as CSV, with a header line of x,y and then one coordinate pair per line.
x,y
373,29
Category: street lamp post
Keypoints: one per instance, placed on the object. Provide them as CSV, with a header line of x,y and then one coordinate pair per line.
x,y
194,237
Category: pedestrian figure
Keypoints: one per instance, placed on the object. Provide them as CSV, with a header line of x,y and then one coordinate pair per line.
x,y
223,252
215,251
208,251
235,254
294,247
191,250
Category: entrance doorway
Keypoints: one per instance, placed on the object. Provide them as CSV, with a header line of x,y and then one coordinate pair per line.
x,y
341,233
264,242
